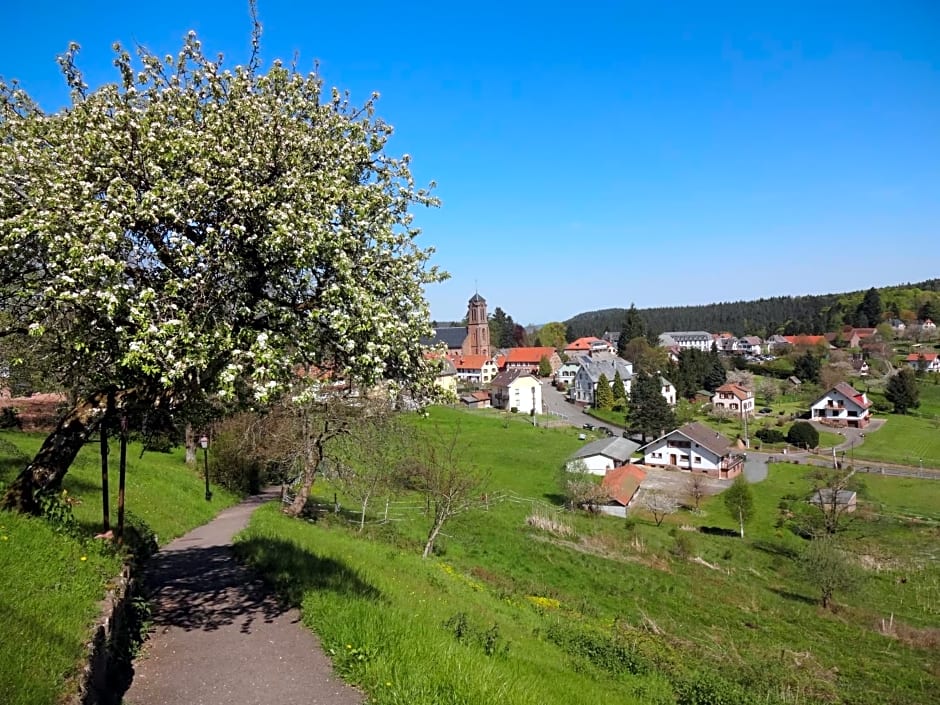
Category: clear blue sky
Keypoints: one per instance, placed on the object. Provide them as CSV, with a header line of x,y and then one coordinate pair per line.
x,y
590,155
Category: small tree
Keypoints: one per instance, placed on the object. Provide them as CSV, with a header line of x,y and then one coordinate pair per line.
x,y
803,434
827,486
659,504
603,396
619,390
545,367
696,488
806,367
438,470
767,388
902,391
828,568
581,488
739,501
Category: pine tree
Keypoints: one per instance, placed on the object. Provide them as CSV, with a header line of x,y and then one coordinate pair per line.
x,y
870,309
633,327
620,392
649,412
715,372
902,391
603,397
807,367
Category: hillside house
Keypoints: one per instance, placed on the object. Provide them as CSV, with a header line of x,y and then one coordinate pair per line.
x,y
734,398
696,448
924,361
698,339
602,456
516,390
842,406
622,486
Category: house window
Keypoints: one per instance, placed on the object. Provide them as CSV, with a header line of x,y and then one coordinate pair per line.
x,y
656,455
697,459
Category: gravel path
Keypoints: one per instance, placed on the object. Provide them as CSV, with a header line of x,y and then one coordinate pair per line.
x,y
219,637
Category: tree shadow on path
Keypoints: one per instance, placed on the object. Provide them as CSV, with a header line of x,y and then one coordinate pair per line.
x,y
206,589
293,570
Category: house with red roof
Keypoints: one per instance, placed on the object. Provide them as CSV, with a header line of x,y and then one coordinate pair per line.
x,y
806,341
734,398
588,345
528,359
696,448
842,405
475,369
622,486
928,362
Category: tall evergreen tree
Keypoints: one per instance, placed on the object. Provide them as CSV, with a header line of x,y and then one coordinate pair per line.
x,y
649,412
500,331
619,390
633,327
928,309
715,373
902,391
807,367
603,395
868,314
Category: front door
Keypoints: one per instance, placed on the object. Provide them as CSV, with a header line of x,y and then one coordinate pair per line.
x,y
673,460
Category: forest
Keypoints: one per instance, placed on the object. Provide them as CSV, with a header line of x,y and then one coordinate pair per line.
x,y
785,315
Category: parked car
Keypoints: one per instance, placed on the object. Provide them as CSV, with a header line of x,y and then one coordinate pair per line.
x,y
588,426
766,410
604,430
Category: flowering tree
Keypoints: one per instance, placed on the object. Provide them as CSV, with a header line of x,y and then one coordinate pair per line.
x,y
193,228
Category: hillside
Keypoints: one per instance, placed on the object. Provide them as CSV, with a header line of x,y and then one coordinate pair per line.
x,y
789,315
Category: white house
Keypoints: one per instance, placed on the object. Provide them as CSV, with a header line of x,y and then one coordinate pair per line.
x,y
583,389
476,369
699,339
842,406
928,362
516,389
569,369
696,448
750,345
603,455
668,390
735,398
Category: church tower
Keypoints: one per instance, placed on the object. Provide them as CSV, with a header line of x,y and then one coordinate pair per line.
x,y
478,328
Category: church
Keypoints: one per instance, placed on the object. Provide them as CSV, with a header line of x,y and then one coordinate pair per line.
x,y
472,339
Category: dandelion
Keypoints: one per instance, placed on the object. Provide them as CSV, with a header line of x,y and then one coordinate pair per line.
x,y
348,646
84,558
388,684
4,538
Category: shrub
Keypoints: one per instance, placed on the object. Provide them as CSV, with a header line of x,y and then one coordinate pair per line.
x,y
803,435
10,418
770,435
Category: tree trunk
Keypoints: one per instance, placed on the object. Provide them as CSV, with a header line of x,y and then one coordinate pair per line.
x,y
312,459
45,473
432,536
741,522
190,442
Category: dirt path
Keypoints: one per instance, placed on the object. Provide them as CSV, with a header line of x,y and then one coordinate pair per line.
x,y
220,637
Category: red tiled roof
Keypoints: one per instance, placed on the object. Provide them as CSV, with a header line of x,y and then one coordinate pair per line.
x,y
850,391
623,482
527,355
928,357
738,391
805,339
582,344
470,362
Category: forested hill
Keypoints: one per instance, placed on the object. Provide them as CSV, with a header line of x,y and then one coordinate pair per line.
x,y
788,315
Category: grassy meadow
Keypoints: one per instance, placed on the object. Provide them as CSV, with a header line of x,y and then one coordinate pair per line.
x,y
607,609
53,575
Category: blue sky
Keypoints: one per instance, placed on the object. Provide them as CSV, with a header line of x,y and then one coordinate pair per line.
x,y
590,155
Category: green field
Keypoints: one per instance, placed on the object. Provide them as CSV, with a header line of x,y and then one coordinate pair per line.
x,y
905,440
619,612
51,581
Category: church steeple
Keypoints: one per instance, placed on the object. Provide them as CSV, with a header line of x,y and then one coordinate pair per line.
x,y
478,327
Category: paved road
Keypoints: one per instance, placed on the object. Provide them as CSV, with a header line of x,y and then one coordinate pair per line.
x,y
553,402
219,636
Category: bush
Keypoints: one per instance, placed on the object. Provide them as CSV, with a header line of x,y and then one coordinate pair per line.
x,y
803,435
770,435
10,418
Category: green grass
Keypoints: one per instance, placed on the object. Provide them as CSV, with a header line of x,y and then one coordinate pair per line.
x,y
905,440
48,595
509,613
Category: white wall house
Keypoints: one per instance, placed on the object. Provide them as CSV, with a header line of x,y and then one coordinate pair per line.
x,y
568,370
668,390
750,345
475,369
516,389
698,339
734,398
696,448
584,388
603,455
928,362
842,405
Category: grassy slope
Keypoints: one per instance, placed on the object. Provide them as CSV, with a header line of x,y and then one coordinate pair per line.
x,y
905,440
632,620
48,595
